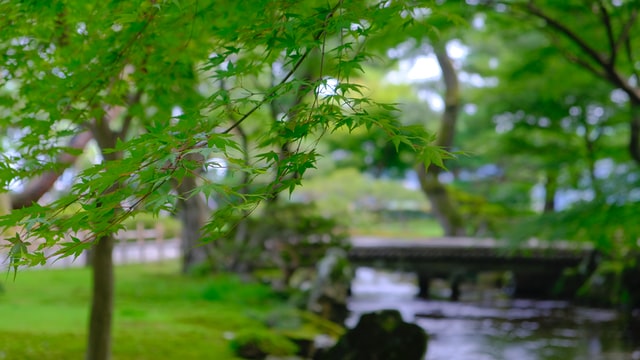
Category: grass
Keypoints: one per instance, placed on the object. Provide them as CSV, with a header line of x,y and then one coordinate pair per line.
x,y
158,314
408,229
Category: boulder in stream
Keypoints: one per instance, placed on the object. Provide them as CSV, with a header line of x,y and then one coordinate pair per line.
x,y
380,335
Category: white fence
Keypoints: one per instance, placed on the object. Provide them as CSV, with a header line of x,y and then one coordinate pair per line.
x,y
133,246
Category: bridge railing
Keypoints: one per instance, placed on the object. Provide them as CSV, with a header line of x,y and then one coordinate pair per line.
x,y
463,247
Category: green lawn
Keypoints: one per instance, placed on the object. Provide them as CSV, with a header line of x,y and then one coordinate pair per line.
x,y
409,229
158,315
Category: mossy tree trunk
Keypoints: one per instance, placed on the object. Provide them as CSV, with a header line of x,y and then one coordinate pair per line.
x,y
443,205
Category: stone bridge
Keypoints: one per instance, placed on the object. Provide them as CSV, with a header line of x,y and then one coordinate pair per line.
x,y
534,266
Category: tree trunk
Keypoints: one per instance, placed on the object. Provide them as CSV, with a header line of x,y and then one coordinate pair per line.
x,y
550,187
442,204
100,320
192,216
99,347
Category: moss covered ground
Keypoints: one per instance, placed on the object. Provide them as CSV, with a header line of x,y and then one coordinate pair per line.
x,y
158,313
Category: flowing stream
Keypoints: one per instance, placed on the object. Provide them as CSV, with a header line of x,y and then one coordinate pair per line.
x,y
484,326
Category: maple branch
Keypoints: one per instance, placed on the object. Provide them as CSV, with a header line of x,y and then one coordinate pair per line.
x,y
606,20
566,31
609,70
297,65
627,42
624,34
577,60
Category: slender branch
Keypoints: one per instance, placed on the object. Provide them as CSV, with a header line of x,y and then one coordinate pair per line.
x,y
631,58
606,20
269,95
577,60
624,36
108,67
298,63
609,70
582,44
626,30
273,105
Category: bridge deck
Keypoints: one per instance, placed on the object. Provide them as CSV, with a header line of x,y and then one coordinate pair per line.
x,y
371,248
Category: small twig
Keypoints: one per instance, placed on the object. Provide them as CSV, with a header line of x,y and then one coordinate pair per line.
x,y
297,65
608,72
577,60
563,29
624,34
606,20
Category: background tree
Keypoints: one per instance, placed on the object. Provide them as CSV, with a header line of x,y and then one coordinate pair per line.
x,y
599,38
442,203
565,139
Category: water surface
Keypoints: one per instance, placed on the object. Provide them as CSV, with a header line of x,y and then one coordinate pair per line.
x,y
488,327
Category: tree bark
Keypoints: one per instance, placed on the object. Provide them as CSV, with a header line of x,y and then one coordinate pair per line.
x,y
442,204
192,213
101,313
192,210
100,323
550,187
102,291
